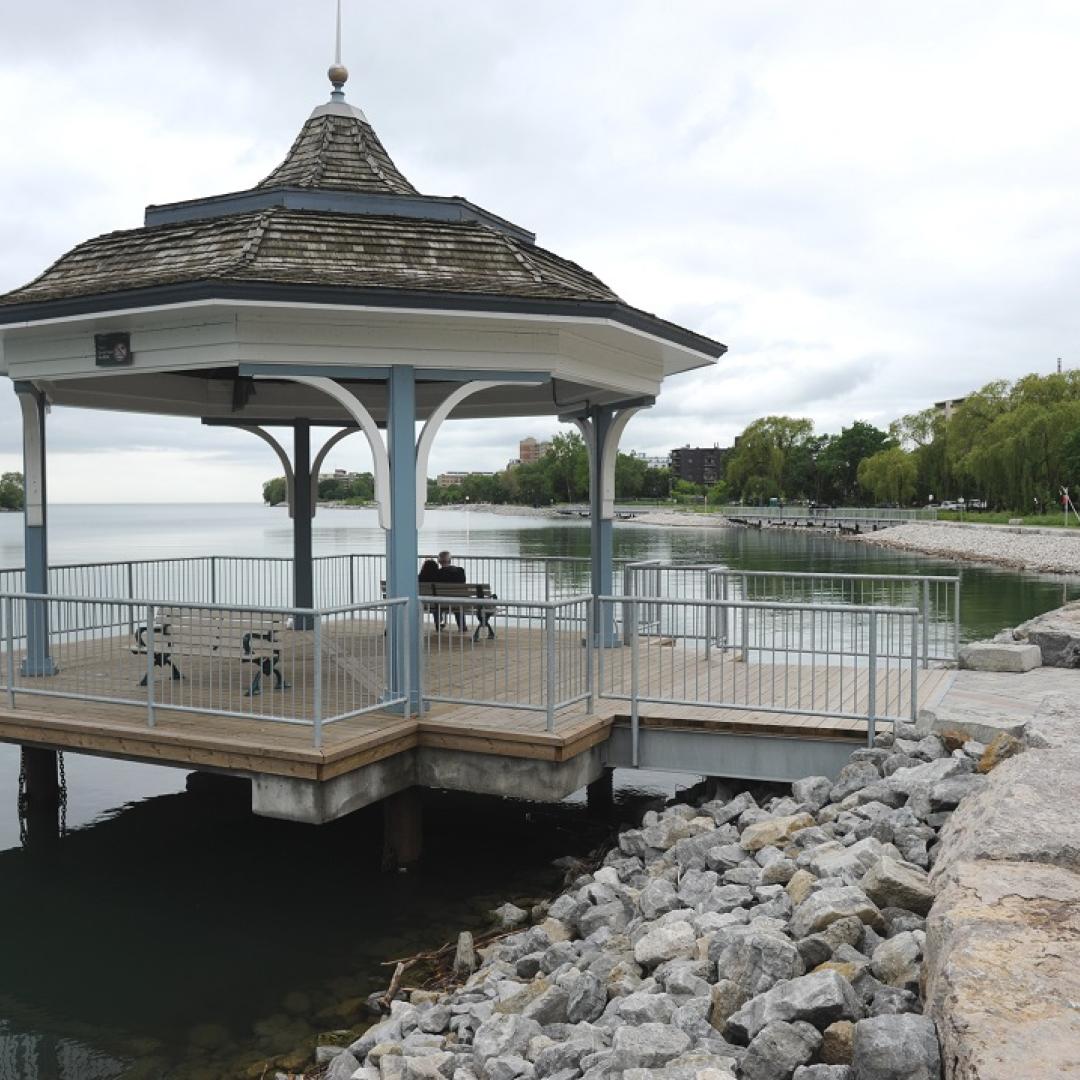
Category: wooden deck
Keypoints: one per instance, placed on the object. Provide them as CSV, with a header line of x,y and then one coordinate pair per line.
x,y
253,741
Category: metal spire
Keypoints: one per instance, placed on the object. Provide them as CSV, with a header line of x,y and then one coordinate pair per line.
x,y
338,72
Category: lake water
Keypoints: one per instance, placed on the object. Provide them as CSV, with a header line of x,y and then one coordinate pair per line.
x,y
173,934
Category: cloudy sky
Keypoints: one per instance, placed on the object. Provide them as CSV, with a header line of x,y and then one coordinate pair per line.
x,y
874,205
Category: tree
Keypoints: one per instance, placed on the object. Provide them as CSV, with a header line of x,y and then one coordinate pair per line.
x,y
11,491
889,475
568,465
839,460
765,462
275,491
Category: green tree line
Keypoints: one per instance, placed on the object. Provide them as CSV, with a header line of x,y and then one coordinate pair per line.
x,y
11,491
357,489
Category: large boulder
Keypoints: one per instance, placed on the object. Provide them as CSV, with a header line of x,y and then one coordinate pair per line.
x,y
773,831
898,1047
826,906
1057,634
892,883
755,960
647,1046
778,1049
1016,657
504,1035
1003,971
665,943
819,998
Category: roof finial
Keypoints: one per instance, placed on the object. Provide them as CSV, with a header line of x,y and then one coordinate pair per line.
x,y
338,72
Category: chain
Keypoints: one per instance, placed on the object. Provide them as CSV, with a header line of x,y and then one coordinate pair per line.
x,y
22,801
62,794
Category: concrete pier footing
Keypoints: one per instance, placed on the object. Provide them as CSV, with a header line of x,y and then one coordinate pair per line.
x,y
600,794
403,829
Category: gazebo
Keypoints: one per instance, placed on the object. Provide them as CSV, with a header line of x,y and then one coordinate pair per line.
x,y
334,295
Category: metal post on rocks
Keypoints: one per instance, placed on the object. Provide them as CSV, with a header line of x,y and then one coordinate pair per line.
x,y
871,693
914,676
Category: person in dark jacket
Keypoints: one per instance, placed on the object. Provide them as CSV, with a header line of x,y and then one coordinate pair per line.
x,y
455,574
429,571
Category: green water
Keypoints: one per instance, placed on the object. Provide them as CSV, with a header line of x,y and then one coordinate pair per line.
x,y
173,934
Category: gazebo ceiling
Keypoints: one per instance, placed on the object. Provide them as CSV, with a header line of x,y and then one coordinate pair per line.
x,y
334,261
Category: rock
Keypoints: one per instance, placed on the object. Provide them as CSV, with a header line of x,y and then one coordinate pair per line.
x,y
1057,635
892,883
981,722
465,958
502,1036
998,656
773,831
1003,970
901,1047
778,1049
1001,747
666,943
826,906
852,778
509,915
779,872
896,962
755,960
658,898
819,998
342,1067
727,997
813,791
822,1072
891,999
437,1066
549,1007
722,813
850,862
647,1047
587,999
436,1020
905,781
1020,816
800,886
837,1042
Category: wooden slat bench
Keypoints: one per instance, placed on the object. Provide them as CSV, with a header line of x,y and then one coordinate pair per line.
x,y
457,590
183,633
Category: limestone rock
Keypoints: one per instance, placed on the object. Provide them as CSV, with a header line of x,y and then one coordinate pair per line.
x,y
648,1046
727,997
666,943
1017,657
778,1049
826,906
1001,748
509,915
773,831
342,1066
892,883
982,723
819,998
812,790
822,1072
901,1047
1003,971
587,999
853,777
1057,634
658,898
837,1043
800,886
501,1036
756,960
896,962
1020,816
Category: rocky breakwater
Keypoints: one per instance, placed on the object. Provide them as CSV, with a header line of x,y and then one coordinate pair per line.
x,y
732,939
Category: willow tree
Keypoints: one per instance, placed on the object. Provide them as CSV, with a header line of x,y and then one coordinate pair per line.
x,y
889,475
763,464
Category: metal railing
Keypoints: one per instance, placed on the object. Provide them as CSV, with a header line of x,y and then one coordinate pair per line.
x,y
290,665
937,597
830,513
838,661
536,656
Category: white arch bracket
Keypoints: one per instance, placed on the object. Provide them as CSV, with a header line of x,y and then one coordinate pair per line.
x,y
609,452
283,457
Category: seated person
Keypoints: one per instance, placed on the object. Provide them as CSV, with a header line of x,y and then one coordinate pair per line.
x,y
456,574
429,571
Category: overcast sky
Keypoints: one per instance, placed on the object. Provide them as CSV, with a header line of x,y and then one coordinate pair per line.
x,y
875,206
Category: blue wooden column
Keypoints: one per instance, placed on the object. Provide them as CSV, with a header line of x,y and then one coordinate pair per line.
x,y
402,543
303,568
602,540
38,662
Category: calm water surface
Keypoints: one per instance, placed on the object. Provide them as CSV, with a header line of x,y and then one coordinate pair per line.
x,y
173,934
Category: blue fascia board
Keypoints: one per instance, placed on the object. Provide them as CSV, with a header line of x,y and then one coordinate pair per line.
x,y
451,208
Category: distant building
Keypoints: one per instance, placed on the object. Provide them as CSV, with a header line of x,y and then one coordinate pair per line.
x,y
698,464
947,408
339,474
650,462
455,479
530,450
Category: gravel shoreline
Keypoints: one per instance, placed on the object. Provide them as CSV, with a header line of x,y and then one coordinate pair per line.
x,y
737,939
1042,551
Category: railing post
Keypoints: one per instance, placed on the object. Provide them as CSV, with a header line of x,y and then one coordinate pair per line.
x,y
352,579
9,634
549,673
213,579
723,609
418,615
131,596
925,623
590,687
744,633
150,649
914,676
871,693
956,620
317,703
634,683
404,615
710,615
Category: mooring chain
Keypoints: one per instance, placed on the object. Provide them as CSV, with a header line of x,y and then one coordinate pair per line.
x,y
62,794
22,801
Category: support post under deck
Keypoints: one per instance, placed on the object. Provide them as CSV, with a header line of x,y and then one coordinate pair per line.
x,y
41,779
600,795
403,821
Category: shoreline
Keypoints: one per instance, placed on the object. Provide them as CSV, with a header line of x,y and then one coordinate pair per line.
x,y
1014,547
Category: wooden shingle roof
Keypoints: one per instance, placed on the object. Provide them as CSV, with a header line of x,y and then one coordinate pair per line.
x,y
304,247
339,153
